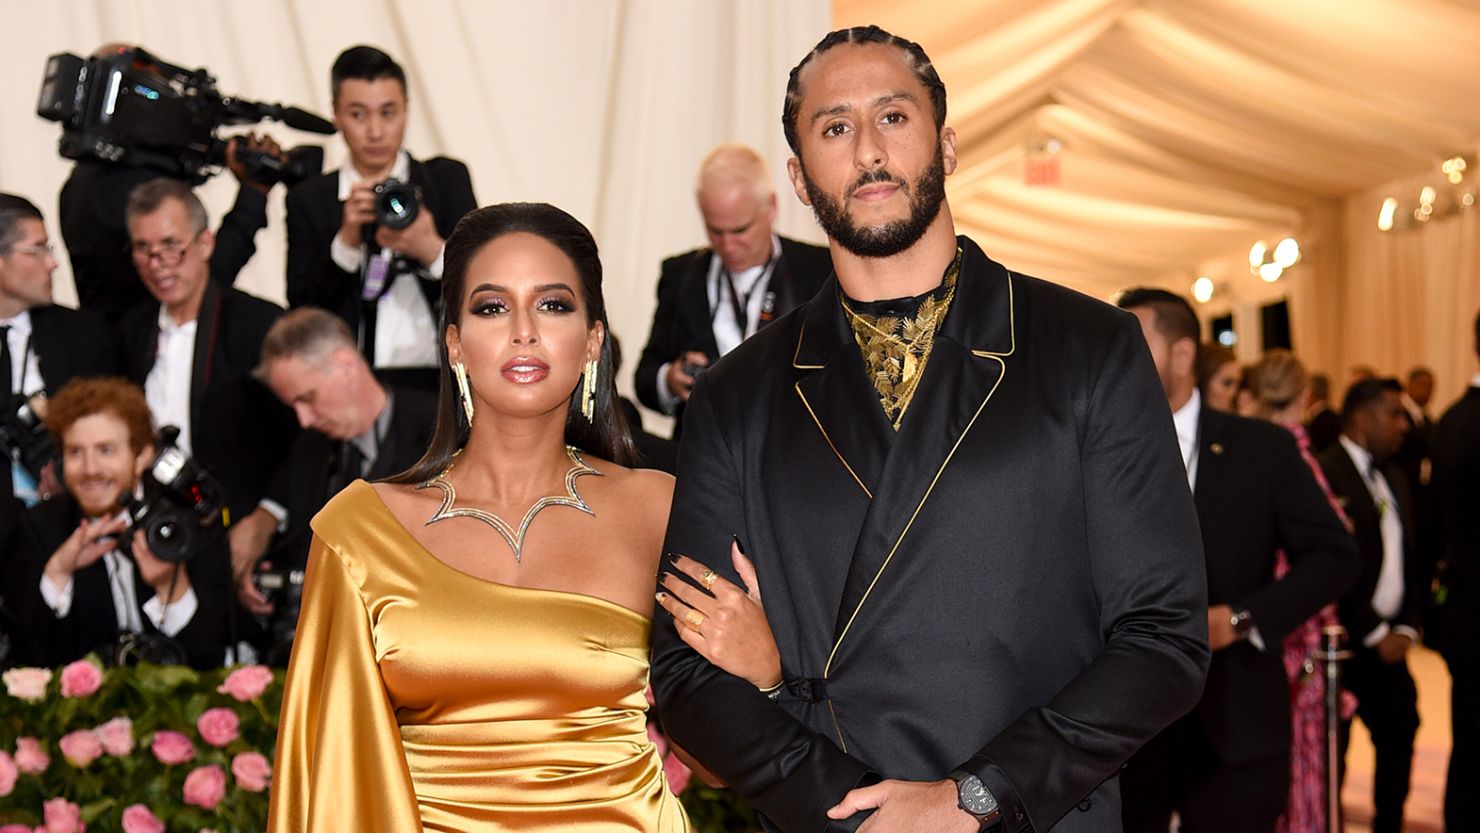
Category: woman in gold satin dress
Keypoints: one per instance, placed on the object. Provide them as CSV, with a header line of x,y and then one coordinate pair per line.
x,y
485,670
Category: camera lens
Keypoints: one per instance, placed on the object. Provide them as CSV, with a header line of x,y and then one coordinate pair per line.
x,y
396,204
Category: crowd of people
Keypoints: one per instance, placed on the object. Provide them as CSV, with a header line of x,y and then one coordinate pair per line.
x,y
998,572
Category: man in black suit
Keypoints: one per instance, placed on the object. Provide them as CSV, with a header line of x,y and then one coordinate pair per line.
x,y
981,570
83,579
193,350
42,347
713,298
355,427
1381,613
1456,454
1226,766
382,281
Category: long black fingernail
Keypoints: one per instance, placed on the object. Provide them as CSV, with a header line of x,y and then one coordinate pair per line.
x,y
736,539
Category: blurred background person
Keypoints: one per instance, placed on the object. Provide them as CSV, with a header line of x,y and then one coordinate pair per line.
x,y
1218,373
1321,420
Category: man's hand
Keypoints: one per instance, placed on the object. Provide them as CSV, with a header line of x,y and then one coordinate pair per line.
x,y
254,142
359,210
87,543
170,581
907,806
680,383
1220,627
419,240
248,539
1394,647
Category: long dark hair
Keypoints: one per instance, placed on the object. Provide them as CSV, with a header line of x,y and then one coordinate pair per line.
x,y
608,436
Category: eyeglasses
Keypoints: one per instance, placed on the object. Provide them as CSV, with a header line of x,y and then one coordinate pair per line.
x,y
38,250
169,253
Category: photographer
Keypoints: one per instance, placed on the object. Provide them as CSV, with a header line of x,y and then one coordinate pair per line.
x,y
382,281
85,583
91,208
42,347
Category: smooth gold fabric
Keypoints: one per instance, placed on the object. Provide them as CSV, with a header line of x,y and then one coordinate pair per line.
x,y
423,698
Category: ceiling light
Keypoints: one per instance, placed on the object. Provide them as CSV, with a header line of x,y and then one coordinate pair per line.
x,y
1202,289
1271,272
1287,253
1256,254
1385,215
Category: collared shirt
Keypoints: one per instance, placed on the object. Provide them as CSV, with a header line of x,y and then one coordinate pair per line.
x,y
25,376
1185,419
1387,598
368,442
167,387
405,330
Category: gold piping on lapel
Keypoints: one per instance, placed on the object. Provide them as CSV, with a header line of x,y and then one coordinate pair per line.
x,y
986,354
798,388
797,356
843,744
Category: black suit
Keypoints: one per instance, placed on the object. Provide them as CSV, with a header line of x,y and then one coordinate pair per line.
x,y
1323,428
91,213
1387,700
315,215
1011,584
1456,456
91,623
1227,765
683,320
239,431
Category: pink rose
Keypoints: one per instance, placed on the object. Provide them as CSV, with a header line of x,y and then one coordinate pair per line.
x,y
8,774
19,828
30,757
246,683
172,748
81,747
251,770
27,683
205,786
81,678
678,774
138,819
218,727
117,736
62,816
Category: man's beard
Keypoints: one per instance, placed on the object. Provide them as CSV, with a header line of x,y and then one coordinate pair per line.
x,y
926,196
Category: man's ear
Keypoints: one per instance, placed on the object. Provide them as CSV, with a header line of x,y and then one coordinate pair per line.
x,y
207,244
798,180
948,149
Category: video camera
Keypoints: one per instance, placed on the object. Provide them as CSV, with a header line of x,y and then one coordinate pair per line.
x,y
23,438
132,108
181,510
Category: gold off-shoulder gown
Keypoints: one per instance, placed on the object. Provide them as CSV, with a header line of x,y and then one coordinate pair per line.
x,y
423,698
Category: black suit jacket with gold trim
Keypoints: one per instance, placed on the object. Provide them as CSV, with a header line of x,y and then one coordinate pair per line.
x,y
1013,584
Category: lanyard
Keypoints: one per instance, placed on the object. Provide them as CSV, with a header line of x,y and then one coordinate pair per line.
x,y
739,305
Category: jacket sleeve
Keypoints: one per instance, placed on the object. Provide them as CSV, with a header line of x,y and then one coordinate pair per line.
x,y
236,239
313,279
1145,554
660,347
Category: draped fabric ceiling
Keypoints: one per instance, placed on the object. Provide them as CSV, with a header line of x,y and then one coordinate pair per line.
x,y
1191,129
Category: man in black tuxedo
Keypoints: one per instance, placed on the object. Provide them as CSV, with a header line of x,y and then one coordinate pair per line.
x,y
383,282
355,427
42,347
1381,613
1226,766
1455,449
980,567
713,298
82,578
193,350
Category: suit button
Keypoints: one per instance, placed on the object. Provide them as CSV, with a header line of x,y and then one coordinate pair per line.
x,y
1084,806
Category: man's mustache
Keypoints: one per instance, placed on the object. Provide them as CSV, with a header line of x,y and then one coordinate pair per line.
x,y
876,176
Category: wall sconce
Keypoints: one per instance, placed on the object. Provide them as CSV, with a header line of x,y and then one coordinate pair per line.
x,y
1432,203
1270,266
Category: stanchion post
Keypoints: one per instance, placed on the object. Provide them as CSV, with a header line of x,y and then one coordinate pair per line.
x,y
1331,654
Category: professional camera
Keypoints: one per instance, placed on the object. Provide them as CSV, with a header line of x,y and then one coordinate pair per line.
x,y
283,587
396,204
131,108
181,510
22,436
294,166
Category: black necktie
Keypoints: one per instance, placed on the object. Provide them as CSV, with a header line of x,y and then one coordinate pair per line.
x,y
7,384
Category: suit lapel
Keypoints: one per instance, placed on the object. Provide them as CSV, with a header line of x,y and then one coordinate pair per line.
x,y
50,356
694,297
966,366
1211,465
207,343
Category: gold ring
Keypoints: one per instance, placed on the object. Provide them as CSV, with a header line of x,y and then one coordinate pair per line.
x,y
708,578
694,618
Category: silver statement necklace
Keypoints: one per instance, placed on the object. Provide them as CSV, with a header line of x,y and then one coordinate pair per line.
x,y
514,537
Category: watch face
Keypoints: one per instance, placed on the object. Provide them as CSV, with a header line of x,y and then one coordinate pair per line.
x,y
975,797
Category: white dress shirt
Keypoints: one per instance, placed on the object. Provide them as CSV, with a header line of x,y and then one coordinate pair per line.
x,y
1184,419
1387,598
25,377
405,330
170,620
167,387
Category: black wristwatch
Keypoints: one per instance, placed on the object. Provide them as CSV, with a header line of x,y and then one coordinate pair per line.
x,y
974,797
1242,622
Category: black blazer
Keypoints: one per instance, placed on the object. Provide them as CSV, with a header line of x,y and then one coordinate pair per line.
x,y
1351,491
1256,495
91,208
1013,584
91,624
239,430
1456,455
682,321
1323,428
315,214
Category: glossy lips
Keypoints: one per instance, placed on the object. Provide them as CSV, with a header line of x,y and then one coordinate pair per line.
x,y
525,370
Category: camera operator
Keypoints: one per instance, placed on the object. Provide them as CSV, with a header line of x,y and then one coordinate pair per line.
x,y
193,351
356,427
382,281
93,229
42,347
84,580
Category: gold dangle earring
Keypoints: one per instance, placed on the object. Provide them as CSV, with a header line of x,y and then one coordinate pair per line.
x,y
464,394
588,391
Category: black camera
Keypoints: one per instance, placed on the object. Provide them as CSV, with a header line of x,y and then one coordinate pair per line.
x,y
23,438
131,108
181,511
283,587
294,166
396,204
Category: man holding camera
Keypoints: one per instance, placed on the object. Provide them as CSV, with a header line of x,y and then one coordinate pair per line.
x,y
193,352
86,581
375,258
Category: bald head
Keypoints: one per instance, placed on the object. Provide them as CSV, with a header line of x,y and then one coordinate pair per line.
x,y
738,204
